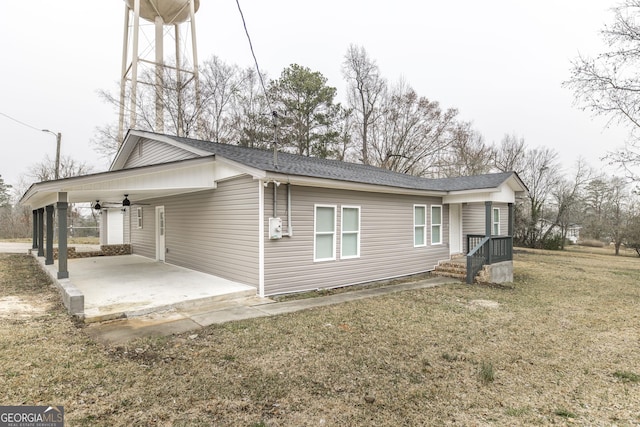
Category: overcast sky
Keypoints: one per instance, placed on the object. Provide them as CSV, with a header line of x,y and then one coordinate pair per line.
x,y
499,62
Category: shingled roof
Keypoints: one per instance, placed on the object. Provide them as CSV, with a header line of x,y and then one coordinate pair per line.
x,y
292,164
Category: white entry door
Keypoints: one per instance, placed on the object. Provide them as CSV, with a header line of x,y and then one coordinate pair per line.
x,y
115,227
160,234
455,229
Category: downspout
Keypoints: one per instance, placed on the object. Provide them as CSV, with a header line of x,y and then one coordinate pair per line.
x,y
289,226
275,199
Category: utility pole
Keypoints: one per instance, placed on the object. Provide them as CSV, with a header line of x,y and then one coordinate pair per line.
x,y
58,138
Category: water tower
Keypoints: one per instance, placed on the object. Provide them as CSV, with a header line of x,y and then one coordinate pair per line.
x,y
166,17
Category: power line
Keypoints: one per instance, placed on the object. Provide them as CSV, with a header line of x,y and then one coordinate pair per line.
x,y
22,123
255,60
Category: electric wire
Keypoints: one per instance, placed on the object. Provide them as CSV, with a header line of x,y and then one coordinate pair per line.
x,y
255,60
22,123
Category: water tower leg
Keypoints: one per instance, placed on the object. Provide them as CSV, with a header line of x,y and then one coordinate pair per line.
x,y
159,78
180,118
123,75
196,76
134,65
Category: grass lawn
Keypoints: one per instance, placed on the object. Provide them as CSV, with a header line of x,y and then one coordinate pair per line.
x,y
561,345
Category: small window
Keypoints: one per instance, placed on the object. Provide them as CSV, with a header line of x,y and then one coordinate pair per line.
x,y
496,221
436,225
350,239
325,233
419,225
139,217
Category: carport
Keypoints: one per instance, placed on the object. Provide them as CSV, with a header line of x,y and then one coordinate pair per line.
x,y
137,183
106,287
112,287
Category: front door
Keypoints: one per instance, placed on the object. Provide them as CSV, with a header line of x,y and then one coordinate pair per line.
x,y
455,229
160,232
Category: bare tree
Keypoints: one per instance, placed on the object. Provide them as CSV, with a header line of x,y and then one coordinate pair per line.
x,y
510,154
365,92
617,212
566,196
467,155
45,170
411,133
251,118
541,174
221,85
609,85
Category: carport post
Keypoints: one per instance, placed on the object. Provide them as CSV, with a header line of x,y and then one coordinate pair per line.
x,y
34,226
41,232
49,252
63,273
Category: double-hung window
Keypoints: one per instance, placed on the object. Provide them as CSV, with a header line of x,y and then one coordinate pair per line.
x,y
496,221
436,225
324,248
139,217
419,225
350,238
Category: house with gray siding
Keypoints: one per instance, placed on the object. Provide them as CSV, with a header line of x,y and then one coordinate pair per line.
x,y
279,222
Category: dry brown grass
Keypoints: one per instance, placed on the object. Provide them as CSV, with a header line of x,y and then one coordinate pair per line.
x,y
561,346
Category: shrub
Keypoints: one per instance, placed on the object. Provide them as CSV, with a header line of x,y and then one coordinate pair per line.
x,y
552,243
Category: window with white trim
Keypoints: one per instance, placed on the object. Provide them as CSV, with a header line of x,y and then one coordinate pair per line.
x,y
419,225
436,225
496,221
139,217
350,237
324,248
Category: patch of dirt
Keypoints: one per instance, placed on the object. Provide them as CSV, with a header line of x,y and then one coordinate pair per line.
x,y
483,303
22,307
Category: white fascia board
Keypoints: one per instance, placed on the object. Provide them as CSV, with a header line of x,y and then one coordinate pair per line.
x,y
306,181
503,194
130,141
229,169
185,175
469,196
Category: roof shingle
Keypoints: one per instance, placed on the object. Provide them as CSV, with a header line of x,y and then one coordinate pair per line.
x,y
293,164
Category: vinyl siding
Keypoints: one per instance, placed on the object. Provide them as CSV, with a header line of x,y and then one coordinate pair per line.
x,y
386,240
473,220
154,152
213,231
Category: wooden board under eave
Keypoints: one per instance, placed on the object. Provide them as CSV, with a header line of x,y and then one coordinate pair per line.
x,y
386,240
